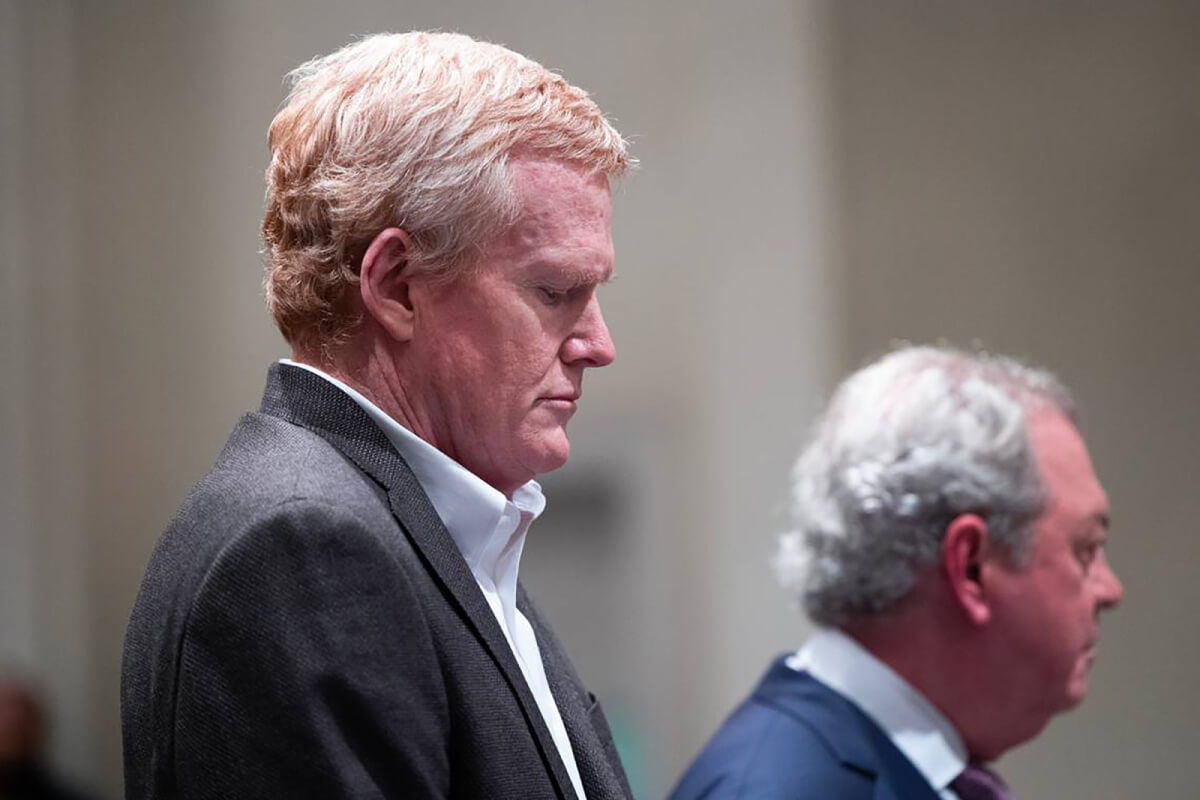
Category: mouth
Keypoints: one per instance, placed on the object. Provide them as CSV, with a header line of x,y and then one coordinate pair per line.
x,y
566,395
562,401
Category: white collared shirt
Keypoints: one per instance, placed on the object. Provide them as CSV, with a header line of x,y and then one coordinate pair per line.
x,y
489,531
918,730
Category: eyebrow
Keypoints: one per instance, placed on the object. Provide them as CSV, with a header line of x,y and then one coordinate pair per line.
x,y
1099,520
570,278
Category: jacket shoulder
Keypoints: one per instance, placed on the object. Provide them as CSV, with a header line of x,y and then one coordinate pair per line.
x,y
773,749
280,522
269,472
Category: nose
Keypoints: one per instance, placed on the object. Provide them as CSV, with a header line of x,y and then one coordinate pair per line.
x,y
589,343
1110,591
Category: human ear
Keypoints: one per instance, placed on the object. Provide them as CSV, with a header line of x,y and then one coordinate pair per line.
x,y
384,282
964,547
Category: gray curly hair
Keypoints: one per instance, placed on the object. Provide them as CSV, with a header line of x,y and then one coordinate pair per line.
x,y
907,444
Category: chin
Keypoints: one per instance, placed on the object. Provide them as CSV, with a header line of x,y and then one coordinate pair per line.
x,y
551,455
1083,673
1075,693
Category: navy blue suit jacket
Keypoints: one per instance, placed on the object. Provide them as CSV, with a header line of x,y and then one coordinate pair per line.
x,y
794,737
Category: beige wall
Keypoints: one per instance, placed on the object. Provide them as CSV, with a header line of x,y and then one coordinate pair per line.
x,y
157,144
1028,175
47,597
814,184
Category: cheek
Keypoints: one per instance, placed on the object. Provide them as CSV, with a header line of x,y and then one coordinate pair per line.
x,y
1065,632
1073,601
1041,628
532,365
477,354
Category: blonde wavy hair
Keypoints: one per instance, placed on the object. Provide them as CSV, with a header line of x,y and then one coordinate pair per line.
x,y
415,131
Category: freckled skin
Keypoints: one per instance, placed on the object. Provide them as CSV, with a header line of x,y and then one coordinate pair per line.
x,y
499,355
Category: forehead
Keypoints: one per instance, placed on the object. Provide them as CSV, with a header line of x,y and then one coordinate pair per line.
x,y
1073,492
565,216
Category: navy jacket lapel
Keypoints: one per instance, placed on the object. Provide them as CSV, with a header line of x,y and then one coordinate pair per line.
x,y
860,744
311,402
898,778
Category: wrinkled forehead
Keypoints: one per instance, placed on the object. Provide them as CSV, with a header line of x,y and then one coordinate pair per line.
x,y
543,184
564,216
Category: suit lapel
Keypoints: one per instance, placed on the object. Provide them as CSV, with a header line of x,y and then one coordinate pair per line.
x,y
307,400
591,740
857,740
898,778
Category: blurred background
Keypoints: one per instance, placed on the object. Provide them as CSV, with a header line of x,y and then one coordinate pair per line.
x,y
818,180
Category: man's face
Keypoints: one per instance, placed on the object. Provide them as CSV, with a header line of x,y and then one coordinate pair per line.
x,y
500,353
1047,613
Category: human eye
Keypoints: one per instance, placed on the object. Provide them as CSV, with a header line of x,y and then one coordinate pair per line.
x,y
551,296
1086,552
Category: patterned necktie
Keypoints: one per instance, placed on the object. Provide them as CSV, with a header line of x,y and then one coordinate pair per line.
x,y
977,782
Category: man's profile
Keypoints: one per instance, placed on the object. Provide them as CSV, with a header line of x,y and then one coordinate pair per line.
x,y
949,545
335,609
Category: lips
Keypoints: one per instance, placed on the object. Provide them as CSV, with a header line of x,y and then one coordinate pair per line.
x,y
568,396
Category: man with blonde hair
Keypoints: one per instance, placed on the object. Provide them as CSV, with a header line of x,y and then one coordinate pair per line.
x,y
334,611
949,544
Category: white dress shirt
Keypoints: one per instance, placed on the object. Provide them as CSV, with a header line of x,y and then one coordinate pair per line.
x,y
917,729
489,530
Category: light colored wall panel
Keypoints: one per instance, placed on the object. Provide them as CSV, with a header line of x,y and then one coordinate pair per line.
x,y
17,542
714,259
45,607
1025,175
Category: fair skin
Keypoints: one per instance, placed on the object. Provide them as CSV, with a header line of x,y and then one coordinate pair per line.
x,y
488,367
999,647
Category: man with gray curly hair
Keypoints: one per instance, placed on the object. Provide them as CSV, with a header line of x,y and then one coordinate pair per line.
x,y
334,612
949,545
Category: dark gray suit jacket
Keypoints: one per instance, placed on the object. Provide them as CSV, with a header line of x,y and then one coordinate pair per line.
x,y
308,629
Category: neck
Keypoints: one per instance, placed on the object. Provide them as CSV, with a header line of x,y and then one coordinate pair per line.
x,y
939,653
372,372
373,369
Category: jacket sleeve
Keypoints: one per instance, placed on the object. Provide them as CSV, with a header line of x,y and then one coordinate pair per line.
x,y
307,669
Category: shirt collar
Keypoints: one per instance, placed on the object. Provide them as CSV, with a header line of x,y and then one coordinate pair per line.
x,y
471,509
918,729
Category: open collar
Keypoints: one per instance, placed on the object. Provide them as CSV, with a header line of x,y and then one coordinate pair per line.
x,y
852,737
913,724
308,400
